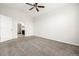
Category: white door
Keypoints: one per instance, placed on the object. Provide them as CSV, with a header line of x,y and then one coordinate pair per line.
x,y
6,28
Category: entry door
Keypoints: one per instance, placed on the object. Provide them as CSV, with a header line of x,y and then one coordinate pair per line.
x,y
6,28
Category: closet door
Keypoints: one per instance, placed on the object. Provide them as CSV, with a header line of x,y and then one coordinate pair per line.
x,y
6,28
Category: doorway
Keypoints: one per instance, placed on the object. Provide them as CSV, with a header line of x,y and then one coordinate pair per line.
x,y
21,30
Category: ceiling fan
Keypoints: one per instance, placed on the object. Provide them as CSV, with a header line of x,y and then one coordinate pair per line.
x,y
35,5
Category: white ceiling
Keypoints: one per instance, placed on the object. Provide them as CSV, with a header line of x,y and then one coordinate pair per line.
x,y
24,7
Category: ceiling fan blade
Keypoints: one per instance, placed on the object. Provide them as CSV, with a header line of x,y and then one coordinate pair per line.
x,y
37,9
29,4
41,6
31,8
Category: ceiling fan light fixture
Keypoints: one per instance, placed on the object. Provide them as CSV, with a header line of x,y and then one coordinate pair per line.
x,y
35,5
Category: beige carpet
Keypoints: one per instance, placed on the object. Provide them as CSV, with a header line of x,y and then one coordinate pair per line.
x,y
37,46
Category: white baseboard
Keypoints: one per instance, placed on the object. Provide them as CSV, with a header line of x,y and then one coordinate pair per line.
x,y
58,40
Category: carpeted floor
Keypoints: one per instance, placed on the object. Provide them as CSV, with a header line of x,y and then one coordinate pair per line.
x,y
37,46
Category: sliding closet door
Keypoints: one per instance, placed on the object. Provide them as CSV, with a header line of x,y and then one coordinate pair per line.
x,y
6,28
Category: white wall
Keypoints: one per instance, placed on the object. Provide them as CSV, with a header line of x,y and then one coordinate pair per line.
x,y
60,24
6,28
18,16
